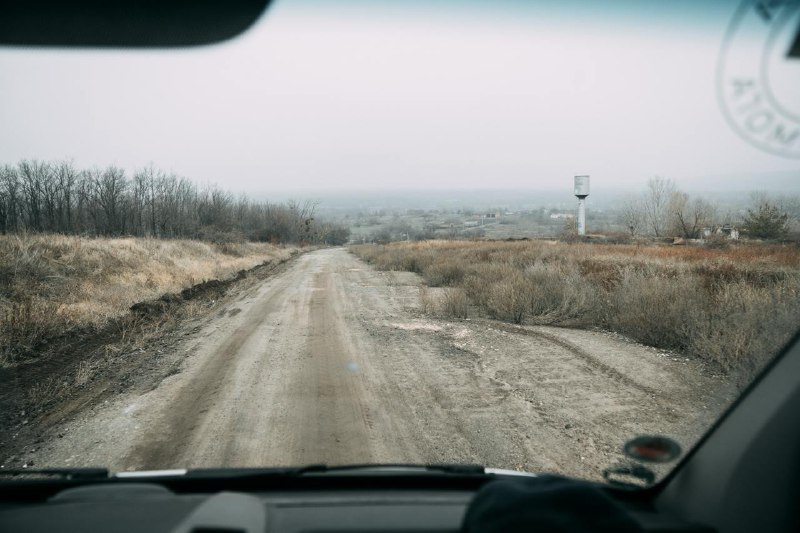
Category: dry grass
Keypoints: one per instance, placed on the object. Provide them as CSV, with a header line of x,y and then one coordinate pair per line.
x,y
46,391
445,302
50,284
733,306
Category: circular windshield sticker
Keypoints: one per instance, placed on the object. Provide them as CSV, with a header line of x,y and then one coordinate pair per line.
x,y
758,79
652,449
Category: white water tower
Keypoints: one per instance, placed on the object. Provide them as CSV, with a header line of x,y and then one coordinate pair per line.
x,y
581,191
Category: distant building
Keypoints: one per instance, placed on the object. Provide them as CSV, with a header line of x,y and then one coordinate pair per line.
x,y
561,216
729,231
725,230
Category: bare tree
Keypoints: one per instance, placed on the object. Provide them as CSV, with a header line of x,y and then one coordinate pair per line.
x,y
790,204
657,204
690,216
213,207
66,177
140,189
110,187
50,197
32,175
10,200
632,214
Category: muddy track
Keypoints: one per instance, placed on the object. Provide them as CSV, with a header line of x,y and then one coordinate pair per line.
x,y
583,354
331,361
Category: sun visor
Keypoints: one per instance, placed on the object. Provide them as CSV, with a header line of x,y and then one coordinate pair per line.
x,y
125,23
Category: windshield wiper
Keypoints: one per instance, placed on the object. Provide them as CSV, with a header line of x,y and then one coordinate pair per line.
x,y
323,469
65,473
463,469
254,474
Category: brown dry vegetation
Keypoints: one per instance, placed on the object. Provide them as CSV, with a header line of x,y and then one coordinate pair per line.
x,y
733,307
51,284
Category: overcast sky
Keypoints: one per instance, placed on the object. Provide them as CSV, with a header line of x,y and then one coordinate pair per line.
x,y
372,95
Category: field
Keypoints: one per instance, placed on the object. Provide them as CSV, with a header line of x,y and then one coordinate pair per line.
x,y
53,284
729,307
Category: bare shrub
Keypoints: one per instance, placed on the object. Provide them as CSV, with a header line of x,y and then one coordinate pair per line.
x,y
479,282
444,272
455,303
548,289
426,301
559,294
448,303
510,299
656,310
569,231
744,324
46,391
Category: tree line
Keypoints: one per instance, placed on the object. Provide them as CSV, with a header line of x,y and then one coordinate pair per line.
x,y
55,196
664,211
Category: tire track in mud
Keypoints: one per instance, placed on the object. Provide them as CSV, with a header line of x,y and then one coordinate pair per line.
x,y
167,445
579,352
332,413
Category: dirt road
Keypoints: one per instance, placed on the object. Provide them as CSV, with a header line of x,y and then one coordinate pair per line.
x,y
331,361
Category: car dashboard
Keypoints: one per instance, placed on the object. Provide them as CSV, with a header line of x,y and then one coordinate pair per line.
x,y
329,504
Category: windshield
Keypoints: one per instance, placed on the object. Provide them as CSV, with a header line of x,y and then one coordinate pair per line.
x,y
517,234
